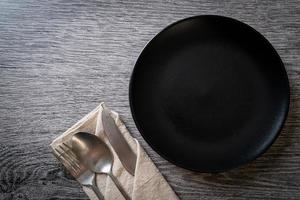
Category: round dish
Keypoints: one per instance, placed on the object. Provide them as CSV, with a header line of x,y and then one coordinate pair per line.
x,y
209,93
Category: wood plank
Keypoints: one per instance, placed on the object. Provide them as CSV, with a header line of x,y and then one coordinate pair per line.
x,y
59,59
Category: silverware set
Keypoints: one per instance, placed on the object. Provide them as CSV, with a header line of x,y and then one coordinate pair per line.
x,y
88,156
84,176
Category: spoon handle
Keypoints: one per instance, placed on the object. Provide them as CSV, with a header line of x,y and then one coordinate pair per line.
x,y
117,183
95,188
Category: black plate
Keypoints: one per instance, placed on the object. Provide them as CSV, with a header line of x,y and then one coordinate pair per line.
x,y
209,93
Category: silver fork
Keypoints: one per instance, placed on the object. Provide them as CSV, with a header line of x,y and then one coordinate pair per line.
x,y
84,176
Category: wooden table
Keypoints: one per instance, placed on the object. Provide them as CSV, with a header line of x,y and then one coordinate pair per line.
x,y
60,59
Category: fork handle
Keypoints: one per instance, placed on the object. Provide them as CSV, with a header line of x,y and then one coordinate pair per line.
x,y
95,188
117,183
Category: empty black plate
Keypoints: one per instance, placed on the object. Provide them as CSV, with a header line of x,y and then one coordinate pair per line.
x,y
209,93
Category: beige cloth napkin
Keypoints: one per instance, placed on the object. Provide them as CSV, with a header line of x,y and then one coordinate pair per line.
x,y
147,183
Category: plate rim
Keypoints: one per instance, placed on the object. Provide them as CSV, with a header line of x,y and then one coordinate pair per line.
x,y
246,161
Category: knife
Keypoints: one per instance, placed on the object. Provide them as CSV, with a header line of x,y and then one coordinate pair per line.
x,y
118,142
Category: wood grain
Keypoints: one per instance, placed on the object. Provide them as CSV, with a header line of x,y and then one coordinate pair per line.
x,y
59,59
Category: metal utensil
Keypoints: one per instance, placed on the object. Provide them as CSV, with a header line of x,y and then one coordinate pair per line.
x,y
96,155
118,142
84,176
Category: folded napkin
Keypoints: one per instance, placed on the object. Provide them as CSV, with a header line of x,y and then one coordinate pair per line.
x,y
147,183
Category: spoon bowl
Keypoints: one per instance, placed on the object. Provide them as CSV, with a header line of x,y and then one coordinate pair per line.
x,y
93,152
95,155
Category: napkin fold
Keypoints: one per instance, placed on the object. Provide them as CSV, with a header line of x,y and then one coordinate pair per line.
x,y
146,184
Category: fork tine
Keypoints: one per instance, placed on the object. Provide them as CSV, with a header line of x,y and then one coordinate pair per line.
x,y
66,163
62,156
69,158
73,167
68,151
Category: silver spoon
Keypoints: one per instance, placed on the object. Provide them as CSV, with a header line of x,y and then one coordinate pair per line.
x,y
96,156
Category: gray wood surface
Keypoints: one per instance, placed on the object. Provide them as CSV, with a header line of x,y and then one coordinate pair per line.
x,y
60,59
